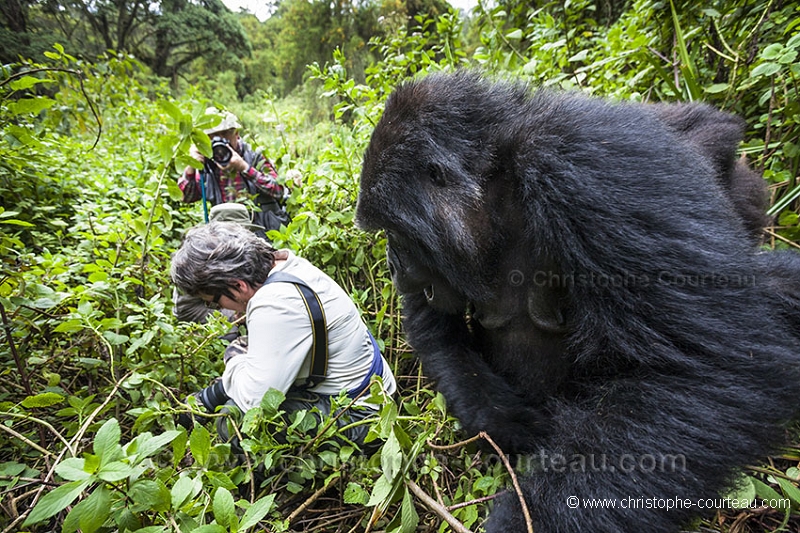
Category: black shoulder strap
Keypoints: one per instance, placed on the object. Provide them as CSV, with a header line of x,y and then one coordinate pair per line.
x,y
319,339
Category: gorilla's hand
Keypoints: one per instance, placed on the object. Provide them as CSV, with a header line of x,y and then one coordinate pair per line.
x,y
481,399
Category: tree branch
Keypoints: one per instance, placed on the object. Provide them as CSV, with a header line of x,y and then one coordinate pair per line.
x,y
436,507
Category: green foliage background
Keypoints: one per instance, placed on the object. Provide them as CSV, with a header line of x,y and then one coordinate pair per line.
x,y
95,366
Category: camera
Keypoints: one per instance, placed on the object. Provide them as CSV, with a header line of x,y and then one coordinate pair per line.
x,y
221,150
213,396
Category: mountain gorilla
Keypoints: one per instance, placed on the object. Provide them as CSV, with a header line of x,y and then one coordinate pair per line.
x,y
578,280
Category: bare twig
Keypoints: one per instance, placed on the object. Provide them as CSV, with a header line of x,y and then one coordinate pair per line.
x,y
781,238
476,501
78,74
525,512
26,440
43,423
456,445
23,374
311,499
248,464
436,507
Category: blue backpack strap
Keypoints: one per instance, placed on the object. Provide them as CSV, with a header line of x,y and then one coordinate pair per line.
x,y
319,339
375,370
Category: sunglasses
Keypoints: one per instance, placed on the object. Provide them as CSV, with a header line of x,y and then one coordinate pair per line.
x,y
214,303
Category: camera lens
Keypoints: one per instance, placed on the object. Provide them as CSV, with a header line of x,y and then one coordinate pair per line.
x,y
221,150
213,396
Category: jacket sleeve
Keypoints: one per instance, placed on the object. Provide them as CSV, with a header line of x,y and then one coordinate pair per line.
x,y
263,174
189,184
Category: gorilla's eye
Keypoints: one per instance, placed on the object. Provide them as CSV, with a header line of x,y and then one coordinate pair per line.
x,y
436,174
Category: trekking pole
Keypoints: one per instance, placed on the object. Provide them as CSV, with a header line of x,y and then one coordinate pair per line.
x,y
203,176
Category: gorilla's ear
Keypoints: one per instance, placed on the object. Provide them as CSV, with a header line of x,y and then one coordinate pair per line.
x,y
545,309
436,174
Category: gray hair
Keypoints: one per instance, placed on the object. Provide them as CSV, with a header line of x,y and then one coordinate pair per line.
x,y
213,256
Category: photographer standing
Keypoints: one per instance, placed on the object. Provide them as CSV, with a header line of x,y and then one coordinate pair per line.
x,y
297,318
236,173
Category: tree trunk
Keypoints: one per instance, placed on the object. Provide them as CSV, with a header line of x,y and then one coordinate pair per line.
x,y
16,15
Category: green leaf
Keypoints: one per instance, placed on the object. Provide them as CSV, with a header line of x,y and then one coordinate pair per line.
x,y
580,56
175,193
200,444
26,82
791,492
220,479
772,51
224,510
45,399
408,514
72,469
114,339
257,511
764,491
152,494
56,501
11,469
148,444
391,457
211,528
744,494
15,222
171,110
202,142
788,57
90,514
114,471
165,147
179,448
30,105
687,66
514,35
380,491
765,69
184,489
106,442
271,401
355,493
717,88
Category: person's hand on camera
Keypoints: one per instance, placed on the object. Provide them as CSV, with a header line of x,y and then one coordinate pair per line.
x,y
187,419
205,401
237,163
195,153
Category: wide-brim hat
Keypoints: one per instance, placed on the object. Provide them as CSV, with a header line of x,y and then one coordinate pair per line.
x,y
228,121
231,212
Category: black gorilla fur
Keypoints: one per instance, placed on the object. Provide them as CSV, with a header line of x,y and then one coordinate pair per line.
x,y
578,279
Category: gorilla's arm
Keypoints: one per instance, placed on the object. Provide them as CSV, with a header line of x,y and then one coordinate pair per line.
x,y
660,438
481,399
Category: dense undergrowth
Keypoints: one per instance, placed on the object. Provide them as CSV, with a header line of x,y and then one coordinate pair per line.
x,y
95,368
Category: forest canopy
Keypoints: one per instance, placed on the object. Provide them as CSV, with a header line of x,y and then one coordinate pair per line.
x,y
101,102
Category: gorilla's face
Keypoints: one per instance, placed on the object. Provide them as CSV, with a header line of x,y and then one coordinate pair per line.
x,y
412,276
432,209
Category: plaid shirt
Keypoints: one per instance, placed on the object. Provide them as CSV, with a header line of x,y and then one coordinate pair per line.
x,y
261,173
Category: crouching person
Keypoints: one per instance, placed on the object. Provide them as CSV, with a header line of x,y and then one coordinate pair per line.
x,y
305,336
